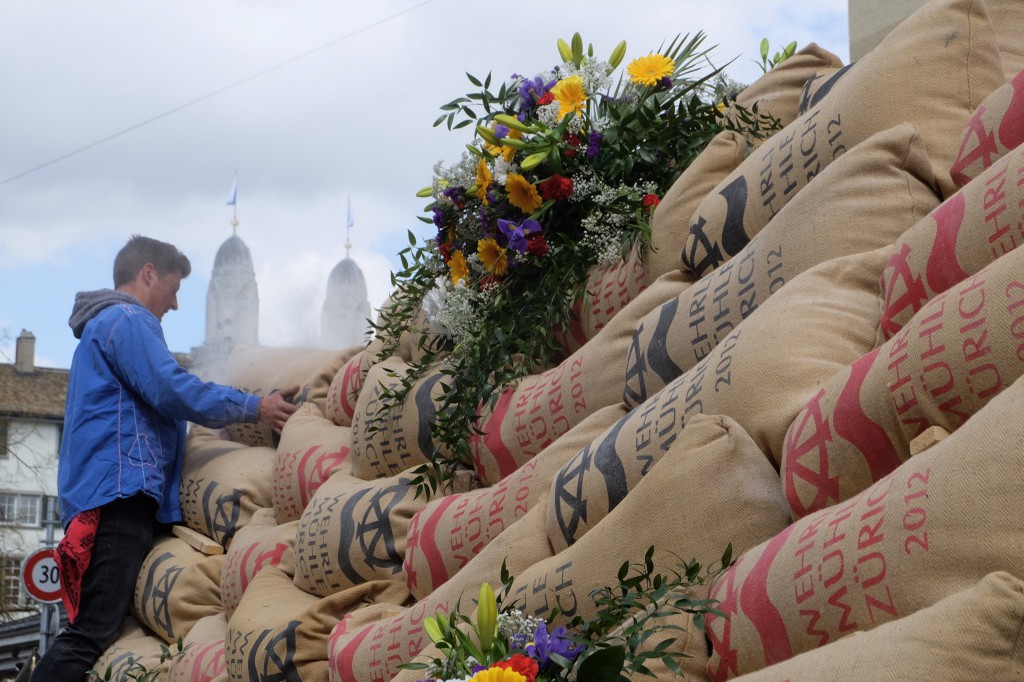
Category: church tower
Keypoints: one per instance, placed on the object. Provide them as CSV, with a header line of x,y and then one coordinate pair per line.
x,y
346,311
232,307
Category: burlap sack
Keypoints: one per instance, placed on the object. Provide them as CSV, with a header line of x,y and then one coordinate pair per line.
x,y
974,634
764,371
968,231
530,416
265,370
890,85
135,643
344,390
686,509
177,586
222,485
781,91
670,222
361,650
963,348
259,544
996,127
609,289
604,472
401,440
863,201
936,525
451,530
354,531
1008,21
312,447
818,85
279,632
203,658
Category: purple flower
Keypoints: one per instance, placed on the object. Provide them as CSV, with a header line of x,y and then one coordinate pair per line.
x,y
517,234
558,642
531,90
666,82
500,131
438,218
594,144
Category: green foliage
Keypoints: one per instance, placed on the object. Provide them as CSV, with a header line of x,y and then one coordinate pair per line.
x,y
616,644
769,63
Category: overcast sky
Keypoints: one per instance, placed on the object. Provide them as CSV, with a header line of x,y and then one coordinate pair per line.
x,y
351,119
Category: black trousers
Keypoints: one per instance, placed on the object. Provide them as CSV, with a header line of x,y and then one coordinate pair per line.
x,y
123,539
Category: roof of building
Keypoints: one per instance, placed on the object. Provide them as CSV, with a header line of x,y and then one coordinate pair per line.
x,y
347,276
40,394
232,252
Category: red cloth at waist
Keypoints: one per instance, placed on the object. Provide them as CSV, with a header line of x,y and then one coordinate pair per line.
x,y
73,554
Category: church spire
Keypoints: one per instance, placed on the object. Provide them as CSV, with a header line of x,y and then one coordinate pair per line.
x,y
348,227
233,203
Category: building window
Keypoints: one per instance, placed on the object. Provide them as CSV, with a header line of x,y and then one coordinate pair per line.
x,y
3,439
10,575
21,510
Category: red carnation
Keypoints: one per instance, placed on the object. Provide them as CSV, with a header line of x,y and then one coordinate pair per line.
x,y
556,187
524,665
546,98
446,251
537,246
651,200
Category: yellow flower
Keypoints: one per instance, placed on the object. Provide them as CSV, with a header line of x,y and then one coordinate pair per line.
x,y
570,95
650,69
457,267
522,194
492,256
497,675
483,181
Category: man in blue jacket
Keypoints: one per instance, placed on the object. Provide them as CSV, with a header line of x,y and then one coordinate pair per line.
x,y
124,435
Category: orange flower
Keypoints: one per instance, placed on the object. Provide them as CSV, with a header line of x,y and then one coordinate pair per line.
x,y
522,194
457,267
492,256
483,181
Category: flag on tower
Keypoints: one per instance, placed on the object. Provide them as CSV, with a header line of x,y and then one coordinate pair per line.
x,y
233,196
351,220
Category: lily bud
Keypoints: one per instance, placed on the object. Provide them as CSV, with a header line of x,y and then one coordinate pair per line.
x,y
512,142
533,160
617,54
433,630
486,617
513,123
564,51
425,192
474,150
577,48
487,134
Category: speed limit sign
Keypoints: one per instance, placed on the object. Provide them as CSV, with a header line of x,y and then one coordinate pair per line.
x,y
40,577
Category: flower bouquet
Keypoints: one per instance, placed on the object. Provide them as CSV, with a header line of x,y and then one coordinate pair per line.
x,y
562,174
629,630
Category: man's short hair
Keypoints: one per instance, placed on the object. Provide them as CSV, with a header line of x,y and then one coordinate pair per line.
x,y
140,250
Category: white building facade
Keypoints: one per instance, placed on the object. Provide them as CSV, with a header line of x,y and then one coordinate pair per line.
x,y
31,425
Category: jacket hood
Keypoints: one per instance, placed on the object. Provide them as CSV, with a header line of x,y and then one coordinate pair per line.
x,y
89,304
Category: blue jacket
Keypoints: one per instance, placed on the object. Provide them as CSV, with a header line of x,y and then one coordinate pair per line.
x,y
128,401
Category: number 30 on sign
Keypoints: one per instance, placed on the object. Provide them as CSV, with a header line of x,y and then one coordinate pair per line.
x,y
40,577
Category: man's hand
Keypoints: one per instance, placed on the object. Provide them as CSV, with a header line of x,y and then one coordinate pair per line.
x,y
275,408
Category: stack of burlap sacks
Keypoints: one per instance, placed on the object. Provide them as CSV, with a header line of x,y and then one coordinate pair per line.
x,y
813,306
